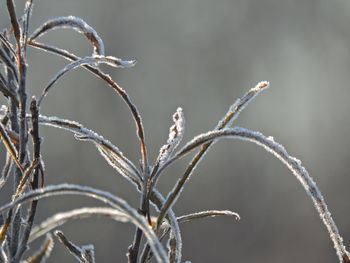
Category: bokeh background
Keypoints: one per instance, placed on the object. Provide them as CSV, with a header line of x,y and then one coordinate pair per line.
x,y
201,55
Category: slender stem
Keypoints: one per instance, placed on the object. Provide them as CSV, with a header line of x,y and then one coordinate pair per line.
x,y
22,68
35,182
144,210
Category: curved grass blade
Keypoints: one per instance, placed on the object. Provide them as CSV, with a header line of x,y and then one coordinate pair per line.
x,y
59,219
241,104
76,24
205,214
111,61
134,111
293,164
112,200
128,169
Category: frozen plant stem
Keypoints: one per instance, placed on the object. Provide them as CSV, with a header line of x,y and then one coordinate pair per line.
x,y
35,182
133,250
293,164
24,163
22,69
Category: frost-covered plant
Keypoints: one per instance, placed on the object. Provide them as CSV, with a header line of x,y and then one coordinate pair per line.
x,y
25,164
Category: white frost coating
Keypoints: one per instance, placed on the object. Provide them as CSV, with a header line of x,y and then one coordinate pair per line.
x,y
114,201
291,162
63,217
3,111
174,226
128,171
111,61
75,23
176,133
241,104
113,161
270,138
209,213
88,253
223,122
74,250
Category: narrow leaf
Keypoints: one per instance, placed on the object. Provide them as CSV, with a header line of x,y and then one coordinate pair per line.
x,y
114,201
119,160
176,133
112,61
293,164
233,112
121,92
76,24
205,214
59,219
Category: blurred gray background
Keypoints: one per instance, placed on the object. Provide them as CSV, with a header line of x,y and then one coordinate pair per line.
x,y
202,55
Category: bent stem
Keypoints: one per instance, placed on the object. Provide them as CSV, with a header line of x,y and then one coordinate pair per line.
x,y
293,164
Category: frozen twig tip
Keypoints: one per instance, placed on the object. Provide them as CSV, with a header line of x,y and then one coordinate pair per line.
x,y
260,86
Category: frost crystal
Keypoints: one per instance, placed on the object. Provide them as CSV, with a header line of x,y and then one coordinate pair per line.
x,y
176,133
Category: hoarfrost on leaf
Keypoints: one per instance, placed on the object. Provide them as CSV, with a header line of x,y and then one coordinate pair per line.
x,y
176,133
75,23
